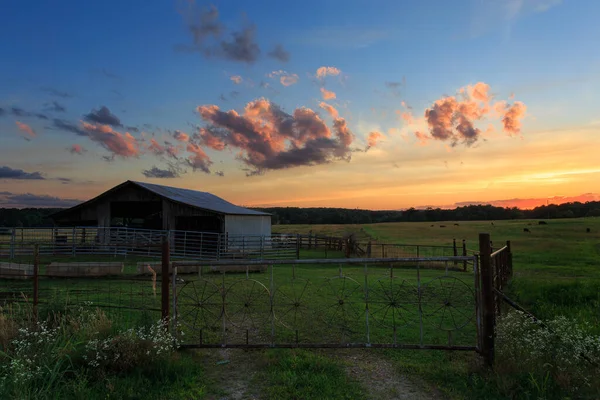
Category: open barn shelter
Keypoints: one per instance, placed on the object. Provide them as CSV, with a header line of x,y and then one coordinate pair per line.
x,y
143,205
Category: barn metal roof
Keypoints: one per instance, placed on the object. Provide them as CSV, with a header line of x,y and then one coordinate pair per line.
x,y
194,198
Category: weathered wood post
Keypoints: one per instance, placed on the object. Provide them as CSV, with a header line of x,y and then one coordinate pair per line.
x,y
488,297
164,290
455,250
309,239
36,283
509,263
369,249
298,244
464,253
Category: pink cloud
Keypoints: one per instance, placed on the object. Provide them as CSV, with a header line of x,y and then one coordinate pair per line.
x,y
285,78
511,121
322,72
198,159
181,136
77,149
236,79
26,129
124,145
422,137
373,138
330,109
327,95
269,138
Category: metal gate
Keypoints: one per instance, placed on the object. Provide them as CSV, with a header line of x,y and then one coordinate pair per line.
x,y
418,303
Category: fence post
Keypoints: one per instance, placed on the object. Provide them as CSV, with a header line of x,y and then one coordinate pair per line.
x,y
369,249
12,243
487,294
464,253
164,290
298,244
509,259
73,246
455,251
309,240
36,287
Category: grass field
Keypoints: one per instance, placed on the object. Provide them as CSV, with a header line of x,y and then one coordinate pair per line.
x,y
556,272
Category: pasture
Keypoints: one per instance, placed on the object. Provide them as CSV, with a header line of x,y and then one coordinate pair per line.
x,y
556,272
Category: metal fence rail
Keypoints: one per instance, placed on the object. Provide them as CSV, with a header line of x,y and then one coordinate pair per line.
x,y
359,302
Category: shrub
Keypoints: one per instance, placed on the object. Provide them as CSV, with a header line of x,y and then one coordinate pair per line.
x,y
562,354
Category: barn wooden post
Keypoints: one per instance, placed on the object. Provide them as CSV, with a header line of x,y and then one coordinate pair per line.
x,y
36,290
464,253
488,297
164,291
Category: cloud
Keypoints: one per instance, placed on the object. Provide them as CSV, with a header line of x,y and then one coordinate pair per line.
x,y
219,173
406,116
236,79
198,159
285,78
103,116
55,106
330,109
322,72
279,53
203,22
269,138
373,138
76,149
19,174
56,92
68,126
25,200
511,120
155,172
422,137
26,129
452,118
19,112
242,47
181,136
123,145
327,95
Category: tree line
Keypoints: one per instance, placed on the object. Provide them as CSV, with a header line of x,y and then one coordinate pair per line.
x,y
40,217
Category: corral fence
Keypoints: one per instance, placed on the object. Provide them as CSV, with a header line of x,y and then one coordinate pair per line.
x,y
393,302
118,241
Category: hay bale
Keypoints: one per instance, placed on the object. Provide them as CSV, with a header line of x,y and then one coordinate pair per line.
x,y
84,269
15,271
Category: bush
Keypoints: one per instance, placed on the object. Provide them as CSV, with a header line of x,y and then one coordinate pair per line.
x,y
561,357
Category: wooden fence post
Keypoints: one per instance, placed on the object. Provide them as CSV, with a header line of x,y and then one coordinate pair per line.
x,y
369,249
464,253
488,297
164,291
298,244
36,283
455,251
309,240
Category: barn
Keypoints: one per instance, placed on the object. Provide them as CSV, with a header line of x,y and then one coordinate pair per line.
x,y
143,205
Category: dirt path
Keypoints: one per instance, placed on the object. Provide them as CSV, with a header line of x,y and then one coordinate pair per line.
x,y
380,379
231,372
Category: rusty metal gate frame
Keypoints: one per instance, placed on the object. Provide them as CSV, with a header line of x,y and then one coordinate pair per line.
x,y
220,308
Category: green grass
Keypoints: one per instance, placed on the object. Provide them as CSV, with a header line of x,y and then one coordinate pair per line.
x,y
298,374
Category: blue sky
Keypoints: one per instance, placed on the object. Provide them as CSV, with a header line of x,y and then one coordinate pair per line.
x,y
139,60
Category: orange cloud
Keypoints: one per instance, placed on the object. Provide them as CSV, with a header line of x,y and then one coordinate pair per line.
x,y
198,159
236,79
373,138
76,149
322,72
327,95
511,121
269,138
453,118
181,136
330,109
119,144
26,129
422,137
285,78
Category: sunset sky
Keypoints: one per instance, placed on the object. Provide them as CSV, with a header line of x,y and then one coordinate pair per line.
x,y
358,104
